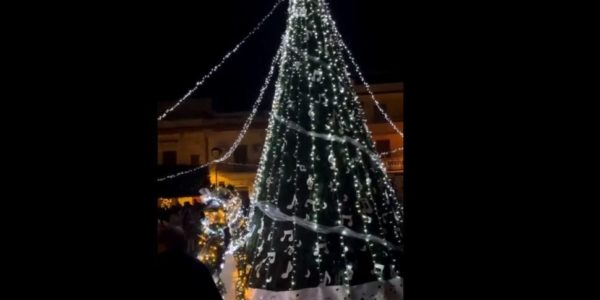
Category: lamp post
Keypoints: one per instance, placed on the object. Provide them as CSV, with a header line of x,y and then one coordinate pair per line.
x,y
216,153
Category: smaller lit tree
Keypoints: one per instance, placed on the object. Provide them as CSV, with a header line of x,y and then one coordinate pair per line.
x,y
223,233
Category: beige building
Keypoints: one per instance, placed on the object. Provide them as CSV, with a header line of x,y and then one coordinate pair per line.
x,y
194,134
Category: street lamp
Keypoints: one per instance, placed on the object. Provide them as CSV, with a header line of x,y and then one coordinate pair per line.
x,y
216,153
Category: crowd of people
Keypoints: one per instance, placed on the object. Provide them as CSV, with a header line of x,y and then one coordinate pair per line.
x,y
187,217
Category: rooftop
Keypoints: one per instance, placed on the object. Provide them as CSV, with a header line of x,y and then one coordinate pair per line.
x,y
199,111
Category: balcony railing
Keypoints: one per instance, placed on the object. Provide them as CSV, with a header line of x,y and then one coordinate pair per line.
x,y
394,164
237,167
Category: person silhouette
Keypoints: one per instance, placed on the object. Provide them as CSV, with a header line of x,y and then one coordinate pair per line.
x,y
179,273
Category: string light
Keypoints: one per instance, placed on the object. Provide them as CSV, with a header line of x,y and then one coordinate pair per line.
x,y
240,137
329,137
392,151
274,213
226,211
216,67
388,191
323,102
364,82
212,243
335,116
282,144
275,147
258,251
244,130
348,271
294,201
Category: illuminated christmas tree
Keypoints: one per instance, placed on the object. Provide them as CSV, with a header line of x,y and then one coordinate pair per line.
x,y
223,227
326,223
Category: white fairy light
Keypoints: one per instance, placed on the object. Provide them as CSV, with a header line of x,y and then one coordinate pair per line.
x,y
275,214
277,143
244,130
364,82
295,208
343,128
366,171
392,151
313,192
216,67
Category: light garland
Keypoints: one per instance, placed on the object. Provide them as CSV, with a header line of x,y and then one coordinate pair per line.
x,y
348,272
389,190
364,82
271,254
329,137
276,108
249,120
244,130
274,213
335,116
212,241
225,211
336,99
392,151
216,67
295,205
315,178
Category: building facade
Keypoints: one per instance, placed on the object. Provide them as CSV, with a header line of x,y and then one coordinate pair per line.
x,y
194,134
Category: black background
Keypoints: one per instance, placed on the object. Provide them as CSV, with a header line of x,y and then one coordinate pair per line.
x,y
485,142
199,42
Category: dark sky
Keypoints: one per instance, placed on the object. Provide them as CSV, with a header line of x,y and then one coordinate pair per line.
x,y
199,41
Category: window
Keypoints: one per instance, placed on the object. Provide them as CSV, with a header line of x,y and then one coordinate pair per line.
x,y
379,118
241,154
383,146
195,159
169,158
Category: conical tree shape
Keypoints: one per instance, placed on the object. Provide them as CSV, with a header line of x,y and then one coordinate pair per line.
x,y
326,222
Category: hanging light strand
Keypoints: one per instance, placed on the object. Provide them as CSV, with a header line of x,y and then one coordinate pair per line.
x,y
391,151
362,79
216,67
244,128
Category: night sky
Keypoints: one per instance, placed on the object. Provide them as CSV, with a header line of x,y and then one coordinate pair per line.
x,y
199,41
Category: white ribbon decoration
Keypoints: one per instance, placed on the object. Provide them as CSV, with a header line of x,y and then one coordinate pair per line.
x,y
274,213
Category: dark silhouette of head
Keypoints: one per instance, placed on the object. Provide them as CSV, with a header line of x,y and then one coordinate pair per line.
x,y
170,238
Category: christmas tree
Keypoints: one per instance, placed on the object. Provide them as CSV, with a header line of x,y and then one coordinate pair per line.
x,y
223,227
325,223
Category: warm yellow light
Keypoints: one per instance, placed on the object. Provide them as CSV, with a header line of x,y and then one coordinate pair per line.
x,y
165,203
183,200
